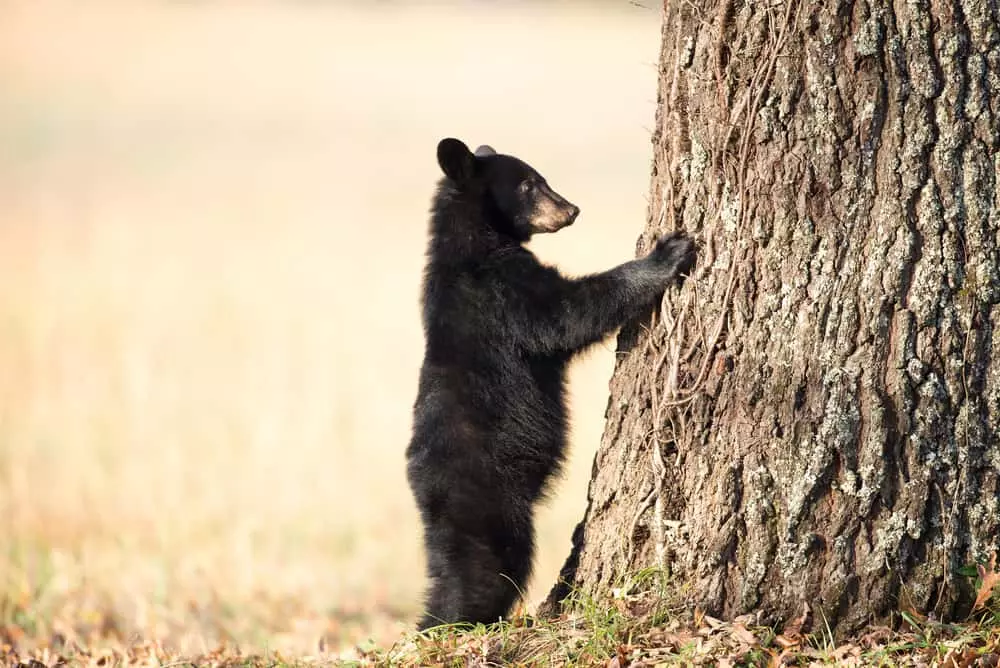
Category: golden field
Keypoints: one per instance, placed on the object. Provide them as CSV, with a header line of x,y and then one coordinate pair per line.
x,y
212,227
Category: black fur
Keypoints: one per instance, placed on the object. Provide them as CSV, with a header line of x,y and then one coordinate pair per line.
x,y
490,420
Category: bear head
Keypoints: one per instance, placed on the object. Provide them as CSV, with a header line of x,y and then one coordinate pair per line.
x,y
516,195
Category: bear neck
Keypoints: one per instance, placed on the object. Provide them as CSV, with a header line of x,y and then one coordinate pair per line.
x,y
463,229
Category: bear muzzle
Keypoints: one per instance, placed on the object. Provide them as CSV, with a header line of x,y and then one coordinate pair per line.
x,y
553,212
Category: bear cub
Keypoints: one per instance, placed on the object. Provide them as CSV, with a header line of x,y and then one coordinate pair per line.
x,y
489,421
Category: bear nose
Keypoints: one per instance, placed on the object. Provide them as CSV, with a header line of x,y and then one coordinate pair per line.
x,y
574,211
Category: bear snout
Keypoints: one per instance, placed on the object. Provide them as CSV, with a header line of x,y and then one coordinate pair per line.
x,y
551,214
574,211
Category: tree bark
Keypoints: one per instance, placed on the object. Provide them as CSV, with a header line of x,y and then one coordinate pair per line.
x,y
814,416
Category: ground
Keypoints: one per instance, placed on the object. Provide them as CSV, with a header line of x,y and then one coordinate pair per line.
x,y
643,624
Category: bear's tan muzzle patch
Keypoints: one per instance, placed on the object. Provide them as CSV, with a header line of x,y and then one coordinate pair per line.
x,y
552,212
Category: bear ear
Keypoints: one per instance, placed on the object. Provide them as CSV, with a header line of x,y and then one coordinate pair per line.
x,y
484,151
455,159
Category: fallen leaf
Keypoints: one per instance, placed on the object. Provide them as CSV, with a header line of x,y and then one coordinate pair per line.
x,y
959,658
875,637
744,635
678,640
793,629
989,660
713,622
989,578
846,650
787,657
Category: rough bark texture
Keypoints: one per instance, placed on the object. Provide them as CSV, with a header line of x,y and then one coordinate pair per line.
x,y
815,416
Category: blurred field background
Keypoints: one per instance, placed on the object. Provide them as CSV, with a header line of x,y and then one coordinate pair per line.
x,y
212,227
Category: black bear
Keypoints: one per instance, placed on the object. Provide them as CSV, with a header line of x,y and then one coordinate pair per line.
x,y
489,421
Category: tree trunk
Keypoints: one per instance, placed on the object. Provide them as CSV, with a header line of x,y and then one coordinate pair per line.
x,y
815,415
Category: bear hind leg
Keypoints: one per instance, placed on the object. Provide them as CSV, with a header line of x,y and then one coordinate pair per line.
x,y
474,577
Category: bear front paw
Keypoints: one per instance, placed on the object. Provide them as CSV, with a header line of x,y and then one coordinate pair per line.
x,y
676,252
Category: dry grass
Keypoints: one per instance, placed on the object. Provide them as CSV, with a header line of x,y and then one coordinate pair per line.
x,y
643,630
212,222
